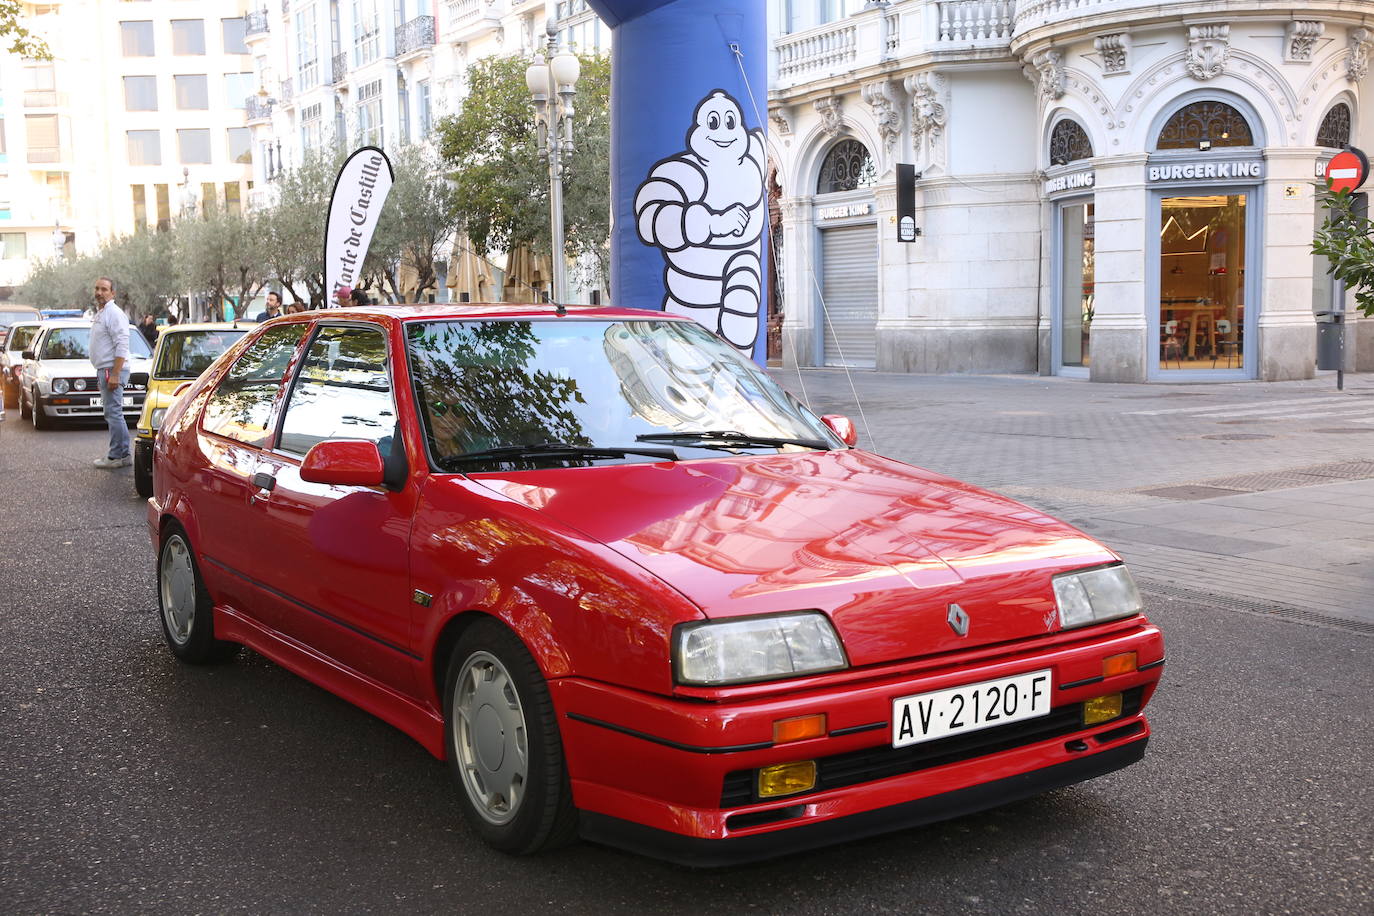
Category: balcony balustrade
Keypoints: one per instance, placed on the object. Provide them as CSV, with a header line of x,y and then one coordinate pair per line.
x,y
415,35
340,67
286,92
257,108
256,23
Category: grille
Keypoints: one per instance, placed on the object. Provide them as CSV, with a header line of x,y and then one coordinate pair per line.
x,y
884,762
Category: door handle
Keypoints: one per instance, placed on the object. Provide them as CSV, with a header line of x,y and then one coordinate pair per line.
x,y
264,481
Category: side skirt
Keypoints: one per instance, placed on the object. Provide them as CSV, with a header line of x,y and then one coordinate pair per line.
x,y
416,720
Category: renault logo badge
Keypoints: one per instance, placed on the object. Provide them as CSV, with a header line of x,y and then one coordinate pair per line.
x,y
958,620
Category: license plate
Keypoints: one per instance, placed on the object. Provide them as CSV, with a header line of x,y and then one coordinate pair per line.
x,y
941,713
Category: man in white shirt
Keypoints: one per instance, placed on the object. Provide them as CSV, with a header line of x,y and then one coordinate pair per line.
x,y
110,356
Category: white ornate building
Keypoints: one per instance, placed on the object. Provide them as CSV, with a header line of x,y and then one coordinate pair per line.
x,y
1114,189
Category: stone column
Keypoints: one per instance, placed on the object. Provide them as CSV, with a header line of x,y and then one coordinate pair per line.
x,y
1287,335
799,282
1120,350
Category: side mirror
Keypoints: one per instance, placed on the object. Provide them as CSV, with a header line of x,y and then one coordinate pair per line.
x,y
842,426
344,462
27,354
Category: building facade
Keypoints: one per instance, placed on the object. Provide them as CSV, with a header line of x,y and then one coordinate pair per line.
x,y
1109,189
138,116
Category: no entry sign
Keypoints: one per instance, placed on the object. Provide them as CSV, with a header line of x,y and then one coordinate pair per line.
x,y
1347,170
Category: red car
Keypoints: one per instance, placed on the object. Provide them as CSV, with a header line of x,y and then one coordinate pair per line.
x,y
630,588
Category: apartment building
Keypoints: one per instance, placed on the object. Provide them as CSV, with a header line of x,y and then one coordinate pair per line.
x,y
1120,190
140,115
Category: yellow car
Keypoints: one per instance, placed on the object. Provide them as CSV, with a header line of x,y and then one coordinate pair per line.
x,y
183,352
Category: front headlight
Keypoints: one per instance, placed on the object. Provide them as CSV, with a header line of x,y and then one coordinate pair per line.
x,y
155,420
756,649
60,386
1095,595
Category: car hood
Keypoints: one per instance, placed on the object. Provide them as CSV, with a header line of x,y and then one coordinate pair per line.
x,y
79,368
882,547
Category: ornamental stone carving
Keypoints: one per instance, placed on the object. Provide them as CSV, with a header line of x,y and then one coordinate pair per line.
x,y
781,119
1209,46
1047,68
1115,50
831,121
1301,40
878,97
1358,66
927,90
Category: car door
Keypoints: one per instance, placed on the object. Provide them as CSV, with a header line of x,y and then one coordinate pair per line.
x,y
235,425
341,553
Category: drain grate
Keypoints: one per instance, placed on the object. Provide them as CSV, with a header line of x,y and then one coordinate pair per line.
x,y
1275,480
1193,492
1262,609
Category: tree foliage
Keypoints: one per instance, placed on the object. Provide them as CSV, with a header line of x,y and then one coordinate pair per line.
x,y
415,226
1344,240
23,43
500,184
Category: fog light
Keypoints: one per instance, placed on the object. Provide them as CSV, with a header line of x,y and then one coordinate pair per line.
x,y
1102,709
1118,664
799,728
787,778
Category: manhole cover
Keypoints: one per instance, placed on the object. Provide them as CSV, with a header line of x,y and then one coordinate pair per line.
x,y
1190,492
1345,429
1233,437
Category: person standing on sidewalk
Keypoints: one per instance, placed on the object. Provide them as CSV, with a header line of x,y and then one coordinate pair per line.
x,y
110,356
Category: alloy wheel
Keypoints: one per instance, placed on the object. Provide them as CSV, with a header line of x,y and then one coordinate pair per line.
x,y
490,736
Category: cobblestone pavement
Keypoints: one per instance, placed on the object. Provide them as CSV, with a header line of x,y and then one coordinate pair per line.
x,y
1259,495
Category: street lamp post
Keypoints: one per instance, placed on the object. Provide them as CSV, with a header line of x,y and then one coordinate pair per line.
x,y
551,86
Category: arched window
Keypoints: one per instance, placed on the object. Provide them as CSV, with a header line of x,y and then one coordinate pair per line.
x,y
847,167
1335,129
1211,123
1069,142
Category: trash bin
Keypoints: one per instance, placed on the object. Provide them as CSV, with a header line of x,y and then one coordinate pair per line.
x,y
1330,340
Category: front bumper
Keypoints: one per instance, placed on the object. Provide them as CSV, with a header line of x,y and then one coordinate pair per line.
x,y
79,404
674,776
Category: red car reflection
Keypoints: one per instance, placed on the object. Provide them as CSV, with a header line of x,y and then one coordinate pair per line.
x,y
631,589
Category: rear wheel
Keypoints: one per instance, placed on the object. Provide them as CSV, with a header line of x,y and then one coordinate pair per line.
x,y
503,743
37,414
188,622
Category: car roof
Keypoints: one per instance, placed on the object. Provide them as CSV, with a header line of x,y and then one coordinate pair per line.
x,y
462,310
206,326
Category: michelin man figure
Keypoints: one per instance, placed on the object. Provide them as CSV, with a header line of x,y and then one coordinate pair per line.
x,y
704,208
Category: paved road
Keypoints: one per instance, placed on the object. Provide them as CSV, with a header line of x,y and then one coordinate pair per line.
x,y
129,783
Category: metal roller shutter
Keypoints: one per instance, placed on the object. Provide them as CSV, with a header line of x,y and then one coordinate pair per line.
x,y
849,283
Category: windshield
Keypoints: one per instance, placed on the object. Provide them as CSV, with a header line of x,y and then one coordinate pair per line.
x,y
10,316
74,343
486,385
187,354
20,337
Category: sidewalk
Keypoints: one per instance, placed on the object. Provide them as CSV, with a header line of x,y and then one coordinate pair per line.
x,y
1258,494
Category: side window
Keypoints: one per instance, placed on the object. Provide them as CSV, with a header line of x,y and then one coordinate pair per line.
x,y
342,392
242,402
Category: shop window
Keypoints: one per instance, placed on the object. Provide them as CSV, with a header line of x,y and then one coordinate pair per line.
x,y
1335,130
1204,125
847,167
1069,142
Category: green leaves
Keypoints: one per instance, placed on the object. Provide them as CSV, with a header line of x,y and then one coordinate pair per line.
x,y
1344,240
500,185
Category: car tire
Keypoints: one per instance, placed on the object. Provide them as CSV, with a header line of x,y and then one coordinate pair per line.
x,y
37,414
503,743
184,605
25,412
143,471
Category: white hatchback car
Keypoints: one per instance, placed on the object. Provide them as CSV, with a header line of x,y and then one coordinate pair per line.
x,y
15,341
59,382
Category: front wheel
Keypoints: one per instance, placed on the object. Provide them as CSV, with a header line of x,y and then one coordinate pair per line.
x,y
503,743
38,414
143,469
188,622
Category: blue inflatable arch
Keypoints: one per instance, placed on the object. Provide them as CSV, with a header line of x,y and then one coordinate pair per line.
x,y
688,167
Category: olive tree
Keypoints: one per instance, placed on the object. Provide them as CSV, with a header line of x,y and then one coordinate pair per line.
x,y
415,226
1344,240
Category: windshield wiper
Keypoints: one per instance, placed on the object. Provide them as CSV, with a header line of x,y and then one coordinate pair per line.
x,y
558,450
725,438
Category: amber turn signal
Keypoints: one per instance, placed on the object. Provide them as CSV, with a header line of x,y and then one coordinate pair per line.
x,y
799,728
1113,665
1102,709
787,778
